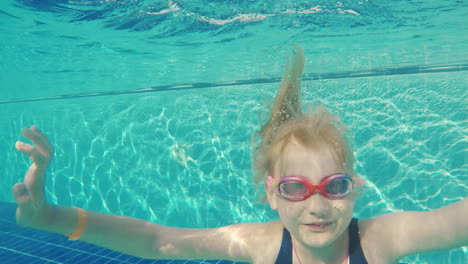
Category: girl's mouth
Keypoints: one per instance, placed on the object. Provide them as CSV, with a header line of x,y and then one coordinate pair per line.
x,y
318,227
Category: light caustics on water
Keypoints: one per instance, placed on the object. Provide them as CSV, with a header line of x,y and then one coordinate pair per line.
x,y
396,79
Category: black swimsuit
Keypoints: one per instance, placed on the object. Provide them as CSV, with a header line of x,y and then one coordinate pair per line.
x,y
355,251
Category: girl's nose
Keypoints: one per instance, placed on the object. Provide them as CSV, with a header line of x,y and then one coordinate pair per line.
x,y
318,205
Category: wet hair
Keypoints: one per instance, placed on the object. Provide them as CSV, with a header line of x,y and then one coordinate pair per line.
x,y
315,128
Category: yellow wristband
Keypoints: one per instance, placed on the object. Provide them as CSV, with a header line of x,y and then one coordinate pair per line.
x,y
82,220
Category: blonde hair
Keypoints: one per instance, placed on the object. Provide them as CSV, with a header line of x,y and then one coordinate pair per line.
x,y
287,122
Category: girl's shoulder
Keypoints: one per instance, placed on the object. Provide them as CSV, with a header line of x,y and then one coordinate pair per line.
x,y
372,237
263,239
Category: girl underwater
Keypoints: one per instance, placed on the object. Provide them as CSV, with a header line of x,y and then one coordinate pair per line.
x,y
306,164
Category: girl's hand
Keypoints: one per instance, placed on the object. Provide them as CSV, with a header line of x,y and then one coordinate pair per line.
x,y
29,195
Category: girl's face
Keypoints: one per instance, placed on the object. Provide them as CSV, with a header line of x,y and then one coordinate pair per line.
x,y
317,221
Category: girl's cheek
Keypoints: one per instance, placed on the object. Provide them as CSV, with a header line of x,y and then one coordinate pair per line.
x,y
343,206
289,211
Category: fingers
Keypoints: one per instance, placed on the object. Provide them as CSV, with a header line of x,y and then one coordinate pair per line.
x,y
39,140
43,138
24,148
33,153
30,195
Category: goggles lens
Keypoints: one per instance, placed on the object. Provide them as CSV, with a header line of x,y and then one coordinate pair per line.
x,y
297,188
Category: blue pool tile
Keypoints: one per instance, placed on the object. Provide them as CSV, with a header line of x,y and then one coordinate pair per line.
x,y
51,252
153,261
123,257
113,261
93,259
104,252
101,259
26,245
160,261
119,256
50,238
42,261
15,243
82,259
147,261
40,249
178,261
6,239
133,259
6,255
79,258
69,255
113,254
81,246
53,255
20,259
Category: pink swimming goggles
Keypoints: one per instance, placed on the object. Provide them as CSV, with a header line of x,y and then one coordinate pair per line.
x,y
299,188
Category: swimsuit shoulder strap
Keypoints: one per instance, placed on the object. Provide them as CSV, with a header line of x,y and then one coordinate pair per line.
x,y
356,256
285,253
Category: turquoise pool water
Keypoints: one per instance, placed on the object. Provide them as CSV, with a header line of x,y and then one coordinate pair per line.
x,y
396,72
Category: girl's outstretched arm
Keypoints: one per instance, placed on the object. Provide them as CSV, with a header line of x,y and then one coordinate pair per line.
x,y
409,233
148,240
129,235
